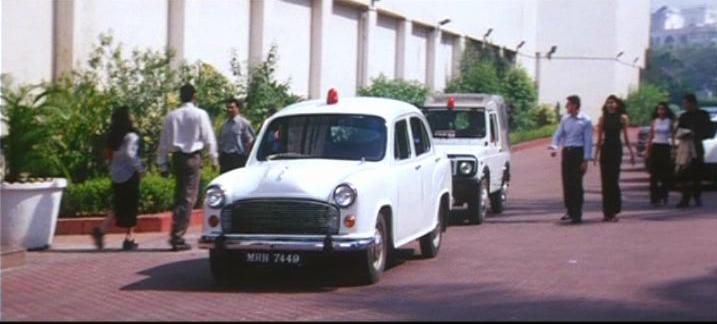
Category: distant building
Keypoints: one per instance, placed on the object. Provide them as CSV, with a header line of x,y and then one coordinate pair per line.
x,y
681,27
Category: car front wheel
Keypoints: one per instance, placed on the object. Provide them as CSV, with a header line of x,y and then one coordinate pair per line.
x,y
431,242
478,205
498,199
373,260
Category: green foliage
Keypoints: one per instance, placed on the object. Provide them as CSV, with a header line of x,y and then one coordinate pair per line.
x,y
478,74
641,103
94,196
264,92
683,69
213,88
519,92
412,92
544,115
531,134
28,115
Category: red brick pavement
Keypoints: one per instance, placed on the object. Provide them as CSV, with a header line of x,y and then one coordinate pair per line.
x,y
655,264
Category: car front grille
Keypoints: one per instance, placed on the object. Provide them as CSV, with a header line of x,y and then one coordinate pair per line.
x,y
280,216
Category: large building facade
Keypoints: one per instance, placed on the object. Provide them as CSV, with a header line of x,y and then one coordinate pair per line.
x,y
673,27
599,45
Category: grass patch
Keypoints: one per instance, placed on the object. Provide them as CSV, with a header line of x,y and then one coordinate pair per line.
x,y
527,135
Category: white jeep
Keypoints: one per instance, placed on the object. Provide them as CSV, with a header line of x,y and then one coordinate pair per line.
x,y
356,176
473,130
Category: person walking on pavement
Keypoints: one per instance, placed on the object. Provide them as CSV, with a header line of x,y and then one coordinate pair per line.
x,y
126,169
235,138
659,153
608,151
698,122
575,135
187,131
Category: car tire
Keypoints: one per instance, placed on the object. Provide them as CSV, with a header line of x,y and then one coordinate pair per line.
x,y
431,242
478,204
499,198
222,266
373,260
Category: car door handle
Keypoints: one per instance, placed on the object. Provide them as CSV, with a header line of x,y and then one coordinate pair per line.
x,y
438,159
417,167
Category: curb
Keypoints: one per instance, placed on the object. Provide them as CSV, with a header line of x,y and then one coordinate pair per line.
x,y
161,222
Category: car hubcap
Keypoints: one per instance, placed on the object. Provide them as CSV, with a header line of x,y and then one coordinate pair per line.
x,y
377,249
504,193
483,200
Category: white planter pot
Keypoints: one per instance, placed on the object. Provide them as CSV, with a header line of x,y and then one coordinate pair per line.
x,y
29,212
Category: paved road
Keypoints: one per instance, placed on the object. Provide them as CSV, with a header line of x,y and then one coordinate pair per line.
x,y
655,264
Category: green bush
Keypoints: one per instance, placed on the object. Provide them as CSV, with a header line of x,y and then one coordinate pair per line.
x,y
94,196
519,92
412,92
544,115
527,135
641,103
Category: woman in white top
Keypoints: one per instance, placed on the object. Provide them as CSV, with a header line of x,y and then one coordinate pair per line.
x,y
659,154
126,168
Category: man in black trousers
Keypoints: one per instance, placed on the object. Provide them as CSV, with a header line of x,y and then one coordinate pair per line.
x,y
575,135
698,121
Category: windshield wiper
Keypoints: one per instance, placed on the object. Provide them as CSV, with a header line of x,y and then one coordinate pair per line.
x,y
281,156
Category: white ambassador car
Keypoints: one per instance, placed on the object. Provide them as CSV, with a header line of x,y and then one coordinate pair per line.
x,y
356,177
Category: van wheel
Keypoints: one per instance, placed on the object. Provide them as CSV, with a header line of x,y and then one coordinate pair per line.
x,y
431,242
478,204
373,260
499,199
222,266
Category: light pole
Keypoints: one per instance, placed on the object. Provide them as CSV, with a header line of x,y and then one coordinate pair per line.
x,y
538,55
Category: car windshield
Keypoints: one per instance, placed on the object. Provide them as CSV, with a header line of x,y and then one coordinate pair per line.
x,y
324,136
456,123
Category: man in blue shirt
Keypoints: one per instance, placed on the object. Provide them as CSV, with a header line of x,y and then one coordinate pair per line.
x,y
575,135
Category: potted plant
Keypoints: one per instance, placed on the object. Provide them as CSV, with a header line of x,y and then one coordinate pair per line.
x,y
29,195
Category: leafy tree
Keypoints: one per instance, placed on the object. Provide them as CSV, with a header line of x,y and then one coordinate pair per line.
x,y
520,93
641,103
478,74
412,92
683,69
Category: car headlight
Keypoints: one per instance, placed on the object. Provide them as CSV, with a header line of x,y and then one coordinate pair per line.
x,y
344,195
465,167
215,197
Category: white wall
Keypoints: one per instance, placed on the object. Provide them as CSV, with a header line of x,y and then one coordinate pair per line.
x,y
214,30
137,24
416,54
288,26
444,61
27,40
340,68
382,57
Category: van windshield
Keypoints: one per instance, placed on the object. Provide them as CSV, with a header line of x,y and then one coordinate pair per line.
x,y
456,123
334,136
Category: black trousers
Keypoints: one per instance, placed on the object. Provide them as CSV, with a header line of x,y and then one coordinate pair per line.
x,y
572,158
661,172
610,160
126,201
692,180
231,161
187,172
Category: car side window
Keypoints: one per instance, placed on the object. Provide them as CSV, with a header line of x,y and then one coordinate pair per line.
x,y
493,129
402,149
420,138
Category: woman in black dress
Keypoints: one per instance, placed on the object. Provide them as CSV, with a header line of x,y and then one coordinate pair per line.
x,y
608,151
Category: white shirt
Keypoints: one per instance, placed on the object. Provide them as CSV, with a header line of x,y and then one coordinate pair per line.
x,y
125,160
186,129
663,131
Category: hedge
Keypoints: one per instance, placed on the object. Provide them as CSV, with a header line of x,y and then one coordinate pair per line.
x,y
94,196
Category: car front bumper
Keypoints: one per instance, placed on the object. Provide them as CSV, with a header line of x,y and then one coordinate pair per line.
x,y
284,243
464,188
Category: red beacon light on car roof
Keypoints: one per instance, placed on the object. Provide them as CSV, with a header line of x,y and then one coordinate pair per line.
x,y
332,97
451,103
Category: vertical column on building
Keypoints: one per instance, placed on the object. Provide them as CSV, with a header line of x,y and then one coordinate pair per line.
x,y
459,44
434,37
405,28
63,24
257,12
320,14
175,30
368,23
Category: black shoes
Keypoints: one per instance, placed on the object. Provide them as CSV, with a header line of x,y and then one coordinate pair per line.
x,y
128,245
180,245
99,238
565,217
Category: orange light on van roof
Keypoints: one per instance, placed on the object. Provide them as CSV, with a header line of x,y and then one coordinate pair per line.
x,y
332,97
451,102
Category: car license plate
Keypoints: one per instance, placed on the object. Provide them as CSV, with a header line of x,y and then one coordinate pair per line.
x,y
273,258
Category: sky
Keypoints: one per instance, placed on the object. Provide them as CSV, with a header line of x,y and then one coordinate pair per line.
x,y
657,4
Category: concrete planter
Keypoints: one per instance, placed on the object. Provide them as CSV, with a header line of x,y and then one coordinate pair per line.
x,y
29,213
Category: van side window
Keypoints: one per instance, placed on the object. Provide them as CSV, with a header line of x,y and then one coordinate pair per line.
x,y
401,149
420,137
493,129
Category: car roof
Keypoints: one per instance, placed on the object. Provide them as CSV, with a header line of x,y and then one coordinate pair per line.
x,y
463,100
388,109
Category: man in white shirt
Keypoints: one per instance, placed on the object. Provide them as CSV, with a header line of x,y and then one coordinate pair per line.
x,y
187,131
